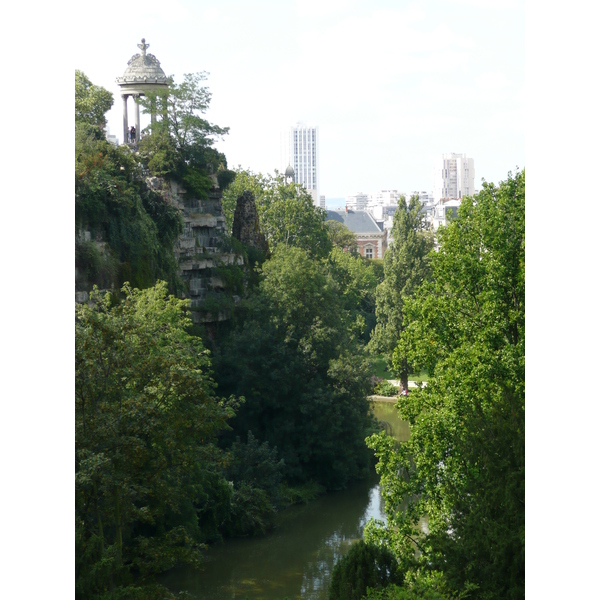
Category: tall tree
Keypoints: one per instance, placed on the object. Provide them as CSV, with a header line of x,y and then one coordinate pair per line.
x,y
357,280
287,214
406,265
179,144
147,467
293,356
463,467
92,102
342,237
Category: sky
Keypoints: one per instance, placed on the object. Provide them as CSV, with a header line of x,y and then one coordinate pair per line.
x,y
391,85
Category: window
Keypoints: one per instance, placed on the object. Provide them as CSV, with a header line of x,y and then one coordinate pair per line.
x,y
368,252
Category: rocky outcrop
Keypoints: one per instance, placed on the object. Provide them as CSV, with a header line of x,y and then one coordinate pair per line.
x,y
199,249
246,227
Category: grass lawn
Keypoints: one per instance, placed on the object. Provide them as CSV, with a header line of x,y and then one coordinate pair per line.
x,y
380,370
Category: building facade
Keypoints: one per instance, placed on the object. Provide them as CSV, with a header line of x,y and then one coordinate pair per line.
x,y
443,211
371,239
384,198
300,150
357,201
453,177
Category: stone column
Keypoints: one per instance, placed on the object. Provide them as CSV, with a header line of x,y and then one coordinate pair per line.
x,y
125,121
137,117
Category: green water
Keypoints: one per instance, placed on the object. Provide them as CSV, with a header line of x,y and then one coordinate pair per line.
x,y
296,559
388,415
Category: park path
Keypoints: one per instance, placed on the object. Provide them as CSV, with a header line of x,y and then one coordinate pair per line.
x,y
411,384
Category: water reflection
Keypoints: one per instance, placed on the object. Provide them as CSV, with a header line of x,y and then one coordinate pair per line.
x,y
387,414
295,560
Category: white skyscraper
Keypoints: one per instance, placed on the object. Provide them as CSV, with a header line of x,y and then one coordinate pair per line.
x,y
300,150
453,177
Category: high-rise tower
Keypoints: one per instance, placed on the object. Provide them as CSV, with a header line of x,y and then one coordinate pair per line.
x,y
454,177
300,150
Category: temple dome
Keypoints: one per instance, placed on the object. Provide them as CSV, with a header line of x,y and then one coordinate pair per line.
x,y
289,172
143,68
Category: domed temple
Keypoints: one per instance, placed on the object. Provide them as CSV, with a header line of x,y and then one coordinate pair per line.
x,y
143,74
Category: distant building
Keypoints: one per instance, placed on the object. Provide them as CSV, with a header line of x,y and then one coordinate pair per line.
x,y
357,201
322,201
453,177
300,150
111,137
424,197
370,237
444,210
384,198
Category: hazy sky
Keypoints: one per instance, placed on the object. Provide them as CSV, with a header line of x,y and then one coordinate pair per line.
x,y
391,85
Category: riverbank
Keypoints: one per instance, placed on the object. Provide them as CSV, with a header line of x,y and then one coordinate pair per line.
x,y
295,560
376,398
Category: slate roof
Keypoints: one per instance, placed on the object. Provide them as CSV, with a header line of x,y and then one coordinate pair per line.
x,y
357,221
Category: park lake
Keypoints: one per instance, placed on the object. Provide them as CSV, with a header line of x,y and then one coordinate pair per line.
x,y
297,558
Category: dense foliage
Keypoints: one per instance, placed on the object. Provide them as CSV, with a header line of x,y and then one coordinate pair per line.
x,y
92,102
342,237
294,356
365,566
463,468
406,266
130,228
286,212
135,227
179,144
148,471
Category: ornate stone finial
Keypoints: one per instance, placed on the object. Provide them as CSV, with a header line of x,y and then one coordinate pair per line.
x,y
143,46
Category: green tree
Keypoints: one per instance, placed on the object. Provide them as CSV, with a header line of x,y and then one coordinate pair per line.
x,y
365,566
286,211
463,467
293,356
179,144
342,237
92,102
135,226
406,265
357,280
244,180
419,585
146,423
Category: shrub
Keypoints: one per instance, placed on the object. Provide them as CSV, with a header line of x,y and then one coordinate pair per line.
x,y
385,388
365,565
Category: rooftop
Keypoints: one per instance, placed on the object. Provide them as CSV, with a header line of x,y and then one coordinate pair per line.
x,y
357,221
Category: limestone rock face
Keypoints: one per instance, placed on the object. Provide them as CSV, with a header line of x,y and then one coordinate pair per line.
x,y
197,248
246,227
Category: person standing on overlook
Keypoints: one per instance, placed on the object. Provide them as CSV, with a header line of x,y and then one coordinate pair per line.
x,y
132,134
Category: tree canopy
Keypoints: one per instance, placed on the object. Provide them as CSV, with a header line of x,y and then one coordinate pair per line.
x,y
132,228
147,417
342,237
92,102
179,144
463,468
286,211
293,355
406,266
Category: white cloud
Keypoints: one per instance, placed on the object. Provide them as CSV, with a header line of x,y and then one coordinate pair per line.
x,y
320,8
493,81
358,56
492,4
